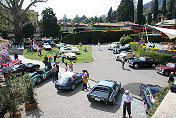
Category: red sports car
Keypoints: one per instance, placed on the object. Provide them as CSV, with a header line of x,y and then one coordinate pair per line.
x,y
17,61
166,69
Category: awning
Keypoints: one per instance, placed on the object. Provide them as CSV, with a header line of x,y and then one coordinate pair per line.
x,y
171,33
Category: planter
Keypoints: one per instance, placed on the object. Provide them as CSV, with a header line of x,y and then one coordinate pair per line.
x,y
31,106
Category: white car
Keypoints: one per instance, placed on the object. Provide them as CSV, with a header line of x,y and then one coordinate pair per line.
x,y
113,45
46,46
69,49
61,45
70,55
127,55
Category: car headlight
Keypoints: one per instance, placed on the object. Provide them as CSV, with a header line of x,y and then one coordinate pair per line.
x,y
162,70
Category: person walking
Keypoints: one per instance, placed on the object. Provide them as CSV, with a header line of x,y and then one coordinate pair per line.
x,y
50,59
70,65
84,80
88,79
171,78
46,61
63,56
127,98
57,71
55,56
123,62
99,45
54,69
66,67
40,51
15,56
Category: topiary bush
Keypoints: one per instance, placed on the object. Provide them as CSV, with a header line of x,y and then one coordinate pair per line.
x,y
125,40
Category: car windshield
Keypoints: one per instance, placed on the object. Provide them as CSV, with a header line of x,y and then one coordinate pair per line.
x,y
124,52
64,79
142,58
40,72
170,65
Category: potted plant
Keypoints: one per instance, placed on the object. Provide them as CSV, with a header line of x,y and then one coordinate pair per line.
x,y
30,101
11,95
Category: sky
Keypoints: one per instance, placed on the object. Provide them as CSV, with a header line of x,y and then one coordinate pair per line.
x,y
71,8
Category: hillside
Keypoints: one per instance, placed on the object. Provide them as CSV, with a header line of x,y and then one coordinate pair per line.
x,y
148,5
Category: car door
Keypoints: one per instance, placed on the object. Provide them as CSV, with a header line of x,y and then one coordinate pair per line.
x,y
149,62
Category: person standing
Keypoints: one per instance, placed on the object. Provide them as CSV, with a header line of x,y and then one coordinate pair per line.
x,y
171,78
57,71
46,61
123,62
85,80
88,78
99,45
54,69
127,98
66,67
50,59
63,56
55,56
38,50
70,66
15,56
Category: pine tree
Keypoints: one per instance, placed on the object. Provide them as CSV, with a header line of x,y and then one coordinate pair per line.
x,y
109,17
164,12
140,12
155,12
171,9
132,11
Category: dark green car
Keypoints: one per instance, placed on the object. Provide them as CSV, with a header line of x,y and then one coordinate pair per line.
x,y
40,75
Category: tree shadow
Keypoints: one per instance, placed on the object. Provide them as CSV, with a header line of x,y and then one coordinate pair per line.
x,y
107,107
36,113
43,82
143,68
68,93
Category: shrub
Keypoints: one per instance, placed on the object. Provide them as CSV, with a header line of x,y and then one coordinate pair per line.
x,y
125,40
78,29
135,37
134,46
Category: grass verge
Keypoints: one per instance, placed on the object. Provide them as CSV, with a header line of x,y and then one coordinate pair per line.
x,y
83,57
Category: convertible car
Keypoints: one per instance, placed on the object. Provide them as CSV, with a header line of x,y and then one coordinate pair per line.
x,y
70,55
40,75
105,91
68,81
166,69
117,50
46,46
142,62
29,67
127,55
148,92
69,49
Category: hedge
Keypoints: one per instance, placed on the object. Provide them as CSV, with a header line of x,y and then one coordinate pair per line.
x,y
159,57
125,40
92,37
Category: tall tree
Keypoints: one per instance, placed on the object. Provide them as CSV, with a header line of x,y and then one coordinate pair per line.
x,y
114,15
76,19
28,30
14,8
109,17
140,12
171,8
164,12
155,12
125,12
50,27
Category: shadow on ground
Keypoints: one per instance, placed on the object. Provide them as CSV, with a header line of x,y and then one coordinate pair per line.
x,y
68,93
107,107
133,88
36,113
43,82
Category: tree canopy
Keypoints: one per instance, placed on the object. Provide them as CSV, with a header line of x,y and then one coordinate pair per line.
x,y
140,12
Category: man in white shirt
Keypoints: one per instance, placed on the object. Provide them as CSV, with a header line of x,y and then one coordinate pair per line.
x,y
127,98
55,56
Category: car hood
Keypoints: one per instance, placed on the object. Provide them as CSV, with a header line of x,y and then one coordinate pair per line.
x,y
70,54
163,67
136,60
61,83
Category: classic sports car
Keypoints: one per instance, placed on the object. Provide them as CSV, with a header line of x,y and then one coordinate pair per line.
x,y
34,47
141,62
29,67
68,80
61,45
69,49
127,55
166,69
117,50
148,92
40,75
46,46
113,45
70,55
105,91
17,61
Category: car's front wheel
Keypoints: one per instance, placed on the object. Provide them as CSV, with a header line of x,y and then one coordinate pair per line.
x,y
73,86
136,66
153,65
39,80
166,73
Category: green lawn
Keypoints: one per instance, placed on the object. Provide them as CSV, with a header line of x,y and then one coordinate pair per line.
x,y
81,58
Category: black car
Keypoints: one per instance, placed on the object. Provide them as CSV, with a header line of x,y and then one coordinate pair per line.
x,y
117,50
142,62
148,92
29,67
105,91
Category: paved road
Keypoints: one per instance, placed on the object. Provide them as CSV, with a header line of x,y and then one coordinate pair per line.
x,y
74,104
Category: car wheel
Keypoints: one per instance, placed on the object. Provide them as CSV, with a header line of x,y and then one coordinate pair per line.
x,y
39,80
73,86
136,66
166,73
153,65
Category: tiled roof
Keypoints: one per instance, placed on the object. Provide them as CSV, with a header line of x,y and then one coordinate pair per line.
x,y
120,24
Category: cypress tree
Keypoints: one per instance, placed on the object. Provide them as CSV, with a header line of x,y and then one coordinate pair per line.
x,y
131,11
164,12
109,17
170,9
155,12
140,12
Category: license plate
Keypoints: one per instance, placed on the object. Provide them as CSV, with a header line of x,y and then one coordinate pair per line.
x,y
97,99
